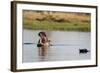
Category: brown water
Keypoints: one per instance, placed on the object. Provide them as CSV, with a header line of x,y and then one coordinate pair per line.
x,y
66,45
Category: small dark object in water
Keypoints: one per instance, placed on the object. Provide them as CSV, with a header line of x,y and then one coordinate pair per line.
x,y
83,50
28,43
39,45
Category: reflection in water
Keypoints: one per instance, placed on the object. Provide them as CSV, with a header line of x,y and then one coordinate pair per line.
x,y
70,51
43,51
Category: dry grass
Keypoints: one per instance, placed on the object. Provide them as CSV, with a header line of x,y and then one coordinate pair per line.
x,y
80,17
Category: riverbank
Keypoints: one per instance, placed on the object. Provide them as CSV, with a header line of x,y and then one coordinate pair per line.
x,y
46,25
64,21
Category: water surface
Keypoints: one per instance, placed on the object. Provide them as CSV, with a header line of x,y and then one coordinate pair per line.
x,y
66,46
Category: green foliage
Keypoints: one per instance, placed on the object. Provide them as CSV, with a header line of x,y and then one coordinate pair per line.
x,y
47,25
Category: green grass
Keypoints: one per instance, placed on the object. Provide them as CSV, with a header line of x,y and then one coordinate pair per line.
x,y
51,25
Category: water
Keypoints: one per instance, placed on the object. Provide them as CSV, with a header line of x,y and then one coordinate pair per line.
x,y
66,46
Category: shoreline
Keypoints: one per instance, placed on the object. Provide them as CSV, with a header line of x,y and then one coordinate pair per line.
x,y
57,26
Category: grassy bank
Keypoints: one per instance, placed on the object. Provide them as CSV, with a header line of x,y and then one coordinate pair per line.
x,y
45,25
58,21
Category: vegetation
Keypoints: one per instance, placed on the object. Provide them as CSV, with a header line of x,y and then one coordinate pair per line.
x,y
44,20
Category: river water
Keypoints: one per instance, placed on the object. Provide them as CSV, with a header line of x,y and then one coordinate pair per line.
x,y
66,45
